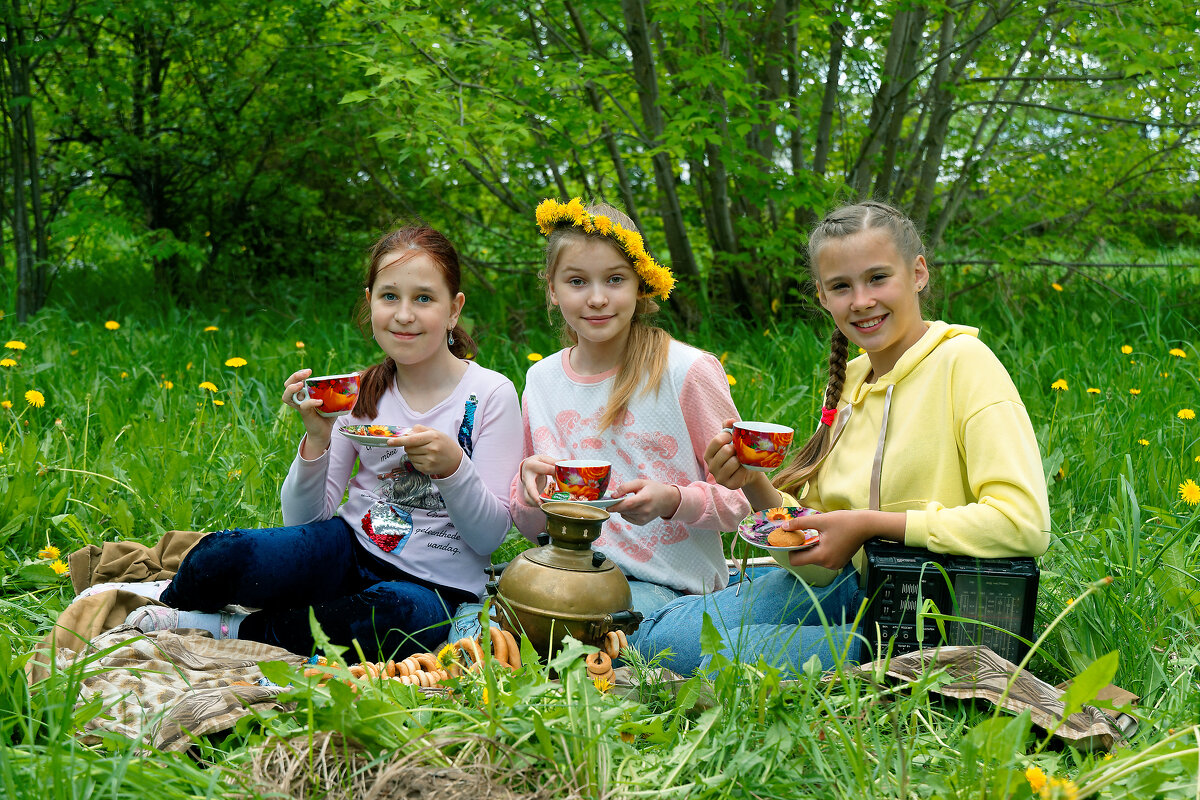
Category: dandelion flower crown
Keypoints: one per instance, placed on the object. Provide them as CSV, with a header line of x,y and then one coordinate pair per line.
x,y
551,214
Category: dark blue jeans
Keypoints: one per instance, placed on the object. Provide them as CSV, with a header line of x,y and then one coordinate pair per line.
x,y
285,571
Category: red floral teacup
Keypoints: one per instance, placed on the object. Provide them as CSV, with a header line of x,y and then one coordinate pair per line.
x,y
760,446
583,480
337,393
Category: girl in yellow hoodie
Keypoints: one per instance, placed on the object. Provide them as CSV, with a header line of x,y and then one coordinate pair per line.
x,y
923,440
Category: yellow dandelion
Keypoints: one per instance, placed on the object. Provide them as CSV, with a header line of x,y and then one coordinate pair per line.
x,y
59,567
168,385
602,684
218,402
862,350
7,362
1185,413
1135,392
124,375
1060,385
210,328
49,552
1036,778
235,362
209,385
189,366
1,447
1056,287
1189,492
534,356
1165,374
35,398
1066,789
445,656
233,474
732,380
775,304
724,356
1070,601
1144,442
1175,351
766,332
6,403
1126,349
112,325
1093,390
13,344
299,345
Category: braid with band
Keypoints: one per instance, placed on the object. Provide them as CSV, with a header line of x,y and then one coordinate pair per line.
x,y
792,477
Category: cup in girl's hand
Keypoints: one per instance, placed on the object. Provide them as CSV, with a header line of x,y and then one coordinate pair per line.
x,y
583,480
337,393
760,446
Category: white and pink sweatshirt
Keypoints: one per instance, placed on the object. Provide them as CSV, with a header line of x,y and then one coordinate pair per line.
x,y
442,530
662,437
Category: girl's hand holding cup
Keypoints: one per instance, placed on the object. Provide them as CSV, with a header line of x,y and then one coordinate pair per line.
x,y
430,451
535,470
319,429
721,459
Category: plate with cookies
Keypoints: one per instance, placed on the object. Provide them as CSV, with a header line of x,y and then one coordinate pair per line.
x,y
762,529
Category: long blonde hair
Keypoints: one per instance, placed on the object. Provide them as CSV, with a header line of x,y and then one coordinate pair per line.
x,y
647,347
845,221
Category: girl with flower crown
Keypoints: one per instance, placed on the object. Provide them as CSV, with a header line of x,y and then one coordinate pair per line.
x,y
625,392
923,440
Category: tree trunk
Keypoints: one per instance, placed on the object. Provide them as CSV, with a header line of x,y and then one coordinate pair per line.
x,y
837,35
910,59
28,301
637,34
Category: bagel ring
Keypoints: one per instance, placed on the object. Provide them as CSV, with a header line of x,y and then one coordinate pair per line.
x,y
514,649
598,663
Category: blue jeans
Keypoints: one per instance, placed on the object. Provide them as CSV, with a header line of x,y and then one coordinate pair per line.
x,y
285,571
773,618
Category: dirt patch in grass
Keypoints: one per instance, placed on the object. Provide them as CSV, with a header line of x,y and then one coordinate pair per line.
x,y
328,767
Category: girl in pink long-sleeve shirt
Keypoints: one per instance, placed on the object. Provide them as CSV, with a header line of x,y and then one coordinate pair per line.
x,y
627,393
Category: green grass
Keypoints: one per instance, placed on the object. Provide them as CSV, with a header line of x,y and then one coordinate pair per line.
x,y
116,453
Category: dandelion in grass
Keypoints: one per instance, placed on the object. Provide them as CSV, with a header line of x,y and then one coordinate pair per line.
x,y
732,380
124,375
218,402
235,362
1061,789
59,567
13,344
299,345
1126,349
1186,414
1144,442
602,684
723,357
1036,778
233,474
534,356
445,656
112,325
1135,392
211,329
35,398
7,362
1,447
1060,385
168,385
188,367
1093,390
1056,287
775,304
49,552
1175,351
209,386
7,404
1189,492
1165,374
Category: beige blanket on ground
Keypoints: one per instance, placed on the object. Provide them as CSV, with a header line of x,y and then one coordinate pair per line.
x,y
164,688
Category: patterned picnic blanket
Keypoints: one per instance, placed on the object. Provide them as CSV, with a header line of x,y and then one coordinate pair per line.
x,y
164,688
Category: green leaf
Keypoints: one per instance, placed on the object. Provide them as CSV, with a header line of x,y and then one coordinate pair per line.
x,y
1088,683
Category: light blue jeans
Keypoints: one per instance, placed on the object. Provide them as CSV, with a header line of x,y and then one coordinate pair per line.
x,y
773,617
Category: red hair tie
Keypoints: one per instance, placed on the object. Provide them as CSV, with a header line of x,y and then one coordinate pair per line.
x,y
828,415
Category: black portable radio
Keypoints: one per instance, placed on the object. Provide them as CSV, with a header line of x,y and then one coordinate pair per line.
x,y
997,591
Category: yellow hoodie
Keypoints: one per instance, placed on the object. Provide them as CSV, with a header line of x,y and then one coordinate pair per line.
x,y
959,455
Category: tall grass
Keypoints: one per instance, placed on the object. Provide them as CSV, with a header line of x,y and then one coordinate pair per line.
x,y
129,445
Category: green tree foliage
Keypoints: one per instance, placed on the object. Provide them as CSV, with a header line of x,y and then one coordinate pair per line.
x,y
1006,128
